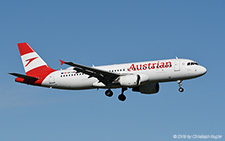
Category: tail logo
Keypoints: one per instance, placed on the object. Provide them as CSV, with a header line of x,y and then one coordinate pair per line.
x,y
30,60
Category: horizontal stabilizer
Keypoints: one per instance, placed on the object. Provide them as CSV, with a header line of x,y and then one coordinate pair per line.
x,y
24,76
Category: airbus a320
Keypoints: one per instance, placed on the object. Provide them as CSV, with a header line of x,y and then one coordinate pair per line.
x,y
143,77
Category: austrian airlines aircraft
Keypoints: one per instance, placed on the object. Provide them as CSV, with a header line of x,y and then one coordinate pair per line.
x,y
143,77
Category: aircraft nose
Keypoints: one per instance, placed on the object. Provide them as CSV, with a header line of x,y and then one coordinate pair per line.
x,y
203,70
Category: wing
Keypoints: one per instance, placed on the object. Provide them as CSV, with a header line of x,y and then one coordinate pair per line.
x,y
103,76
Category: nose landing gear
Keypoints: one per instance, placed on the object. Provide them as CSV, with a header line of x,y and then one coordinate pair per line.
x,y
180,84
181,89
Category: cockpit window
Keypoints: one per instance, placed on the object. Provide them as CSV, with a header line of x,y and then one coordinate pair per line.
x,y
192,63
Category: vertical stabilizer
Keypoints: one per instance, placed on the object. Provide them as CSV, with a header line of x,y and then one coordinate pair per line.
x,y
33,64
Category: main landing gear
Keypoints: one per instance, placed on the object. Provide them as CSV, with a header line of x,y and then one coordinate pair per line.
x,y
121,97
109,93
180,84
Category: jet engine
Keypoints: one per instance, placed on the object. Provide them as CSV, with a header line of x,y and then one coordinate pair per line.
x,y
147,88
132,80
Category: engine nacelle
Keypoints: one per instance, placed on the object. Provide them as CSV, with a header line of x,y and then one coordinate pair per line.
x,y
133,80
147,88
129,80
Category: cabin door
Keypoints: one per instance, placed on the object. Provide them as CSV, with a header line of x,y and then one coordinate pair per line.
x,y
177,65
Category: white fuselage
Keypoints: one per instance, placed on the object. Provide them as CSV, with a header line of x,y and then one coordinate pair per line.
x,y
156,71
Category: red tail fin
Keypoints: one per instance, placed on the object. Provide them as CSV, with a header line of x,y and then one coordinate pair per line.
x,y
33,64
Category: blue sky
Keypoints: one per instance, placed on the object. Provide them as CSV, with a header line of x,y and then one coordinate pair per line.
x,y
111,32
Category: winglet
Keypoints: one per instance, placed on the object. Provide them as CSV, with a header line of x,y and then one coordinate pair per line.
x,y
62,62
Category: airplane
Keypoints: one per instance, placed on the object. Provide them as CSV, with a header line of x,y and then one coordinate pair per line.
x,y
143,77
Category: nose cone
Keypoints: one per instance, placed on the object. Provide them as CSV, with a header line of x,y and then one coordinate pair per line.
x,y
203,70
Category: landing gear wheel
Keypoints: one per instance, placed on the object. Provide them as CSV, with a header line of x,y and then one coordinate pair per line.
x,y
181,89
180,84
122,97
109,93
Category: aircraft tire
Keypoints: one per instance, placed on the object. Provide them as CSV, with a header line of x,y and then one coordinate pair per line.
x,y
122,97
109,93
181,89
